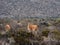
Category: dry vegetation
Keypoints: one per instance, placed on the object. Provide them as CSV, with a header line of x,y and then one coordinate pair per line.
x,y
48,31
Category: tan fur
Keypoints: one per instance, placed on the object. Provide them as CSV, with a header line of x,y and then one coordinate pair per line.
x,y
7,27
32,27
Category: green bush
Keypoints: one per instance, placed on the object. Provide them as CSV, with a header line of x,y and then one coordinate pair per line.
x,y
57,34
45,33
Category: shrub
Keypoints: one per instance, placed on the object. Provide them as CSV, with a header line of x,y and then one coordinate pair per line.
x,y
45,33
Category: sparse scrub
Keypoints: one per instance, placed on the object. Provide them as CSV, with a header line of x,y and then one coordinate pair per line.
x,y
45,33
